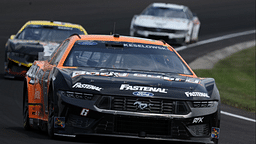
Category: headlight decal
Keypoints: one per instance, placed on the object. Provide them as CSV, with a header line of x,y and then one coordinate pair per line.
x,y
77,95
202,104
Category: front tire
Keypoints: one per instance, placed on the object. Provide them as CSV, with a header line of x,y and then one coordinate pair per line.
x,y
50,123
25,111
216,141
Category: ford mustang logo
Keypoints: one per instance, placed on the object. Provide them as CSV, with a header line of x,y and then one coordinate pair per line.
x,y
143,94
142,105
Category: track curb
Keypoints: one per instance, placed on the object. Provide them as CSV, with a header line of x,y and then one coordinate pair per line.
x,y
208,61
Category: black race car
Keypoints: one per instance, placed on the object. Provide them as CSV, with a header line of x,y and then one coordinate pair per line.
x,y
120,86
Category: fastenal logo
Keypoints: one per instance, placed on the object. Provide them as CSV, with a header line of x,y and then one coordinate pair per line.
x,y
142,105
86,86
142,88
196,94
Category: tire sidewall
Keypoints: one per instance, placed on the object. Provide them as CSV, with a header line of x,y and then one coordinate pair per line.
x,y
26,111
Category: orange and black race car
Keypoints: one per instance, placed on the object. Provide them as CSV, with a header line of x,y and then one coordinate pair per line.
x,y
123,87
35,36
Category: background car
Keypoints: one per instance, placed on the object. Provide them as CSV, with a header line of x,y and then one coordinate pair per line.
x,y
35,36
171,22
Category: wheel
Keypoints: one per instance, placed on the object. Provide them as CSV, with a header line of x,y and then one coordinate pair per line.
x,y
25,112
216,141
50,123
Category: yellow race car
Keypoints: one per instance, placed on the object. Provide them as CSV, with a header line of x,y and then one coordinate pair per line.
x,y
34,40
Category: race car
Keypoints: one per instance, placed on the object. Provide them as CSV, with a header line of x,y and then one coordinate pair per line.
x,y
35,36
171,22
120,86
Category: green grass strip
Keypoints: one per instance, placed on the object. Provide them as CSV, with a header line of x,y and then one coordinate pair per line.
x,y
235,79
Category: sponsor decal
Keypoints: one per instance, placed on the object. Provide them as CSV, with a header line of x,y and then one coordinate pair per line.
x,y
215,132
198,120
34,26
88,43
59,122
110,74
115,74
37,94
65,28
146,46
143,94
77,73
146,75
141,105
86,86
143,88
196,94
159,77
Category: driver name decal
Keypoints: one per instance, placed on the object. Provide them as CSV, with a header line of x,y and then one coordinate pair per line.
x,y
146,46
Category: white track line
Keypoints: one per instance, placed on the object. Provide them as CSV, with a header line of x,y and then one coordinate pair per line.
x,y
215,39
238,116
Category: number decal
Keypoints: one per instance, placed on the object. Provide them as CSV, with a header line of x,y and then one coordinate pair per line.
x,y
84,112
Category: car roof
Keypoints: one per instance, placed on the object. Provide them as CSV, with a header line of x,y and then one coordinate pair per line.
x,y
52,23
118,38
168,5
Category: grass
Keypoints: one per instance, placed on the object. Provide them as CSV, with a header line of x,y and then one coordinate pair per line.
x,y
235,79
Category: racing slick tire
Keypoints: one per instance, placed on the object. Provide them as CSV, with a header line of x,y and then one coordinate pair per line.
x,y
50,123
25,111
216,141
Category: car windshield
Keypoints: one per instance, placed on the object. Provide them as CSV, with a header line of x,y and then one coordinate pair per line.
x,y
164,12
125,56
47,33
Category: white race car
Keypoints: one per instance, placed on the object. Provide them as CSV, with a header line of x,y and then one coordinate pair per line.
x,y
171,22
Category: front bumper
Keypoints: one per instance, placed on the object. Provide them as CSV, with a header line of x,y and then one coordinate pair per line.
x,y
14,68
139,125
152,32
17,64
160,34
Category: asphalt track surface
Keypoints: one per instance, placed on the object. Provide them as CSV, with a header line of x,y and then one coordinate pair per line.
x,y
218,18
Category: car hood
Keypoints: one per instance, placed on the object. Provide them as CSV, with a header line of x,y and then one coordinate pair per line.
x,y
32,47
161,22
139,84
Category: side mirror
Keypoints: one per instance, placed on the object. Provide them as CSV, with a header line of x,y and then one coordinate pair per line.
x,y
12,36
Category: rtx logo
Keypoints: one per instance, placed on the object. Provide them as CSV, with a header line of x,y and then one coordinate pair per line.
x,y
198,120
